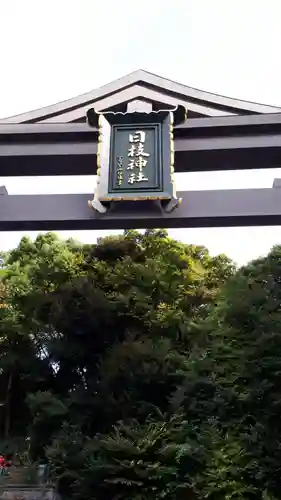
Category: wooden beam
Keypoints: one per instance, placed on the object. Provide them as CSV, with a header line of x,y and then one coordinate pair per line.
x,y
191,155
205,144
253,123
240,207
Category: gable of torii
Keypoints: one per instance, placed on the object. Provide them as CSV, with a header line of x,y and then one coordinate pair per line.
x,y
142,85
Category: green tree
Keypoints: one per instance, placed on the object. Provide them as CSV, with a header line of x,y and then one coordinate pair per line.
x,y
157,459
128,294
245,341
24,361
118,328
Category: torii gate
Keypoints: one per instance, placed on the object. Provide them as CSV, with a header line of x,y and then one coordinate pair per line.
x,y
219,134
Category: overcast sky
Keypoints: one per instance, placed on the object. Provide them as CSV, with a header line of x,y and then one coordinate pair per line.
x,y
52,50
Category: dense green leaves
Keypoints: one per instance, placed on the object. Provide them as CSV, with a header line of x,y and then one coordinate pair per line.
x,y
246,340
153,460
143,368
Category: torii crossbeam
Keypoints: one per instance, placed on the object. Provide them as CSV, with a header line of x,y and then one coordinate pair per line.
x,y
220,134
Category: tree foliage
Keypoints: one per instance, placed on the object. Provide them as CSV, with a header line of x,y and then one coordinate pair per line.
x,y
245,330
141,367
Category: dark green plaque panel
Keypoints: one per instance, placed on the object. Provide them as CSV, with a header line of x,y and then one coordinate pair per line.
x,y
135,158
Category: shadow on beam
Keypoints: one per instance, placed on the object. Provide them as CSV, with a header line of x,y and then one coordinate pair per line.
x,y
239,207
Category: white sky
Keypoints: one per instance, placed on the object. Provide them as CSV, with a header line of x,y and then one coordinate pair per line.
x,y
51,50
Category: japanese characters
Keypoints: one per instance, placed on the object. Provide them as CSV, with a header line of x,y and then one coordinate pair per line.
x,y
137,157
119,170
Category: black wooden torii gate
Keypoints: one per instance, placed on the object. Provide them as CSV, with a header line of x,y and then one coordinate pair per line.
x,y
219,134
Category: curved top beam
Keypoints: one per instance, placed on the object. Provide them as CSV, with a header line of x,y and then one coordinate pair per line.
x,y
205,103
